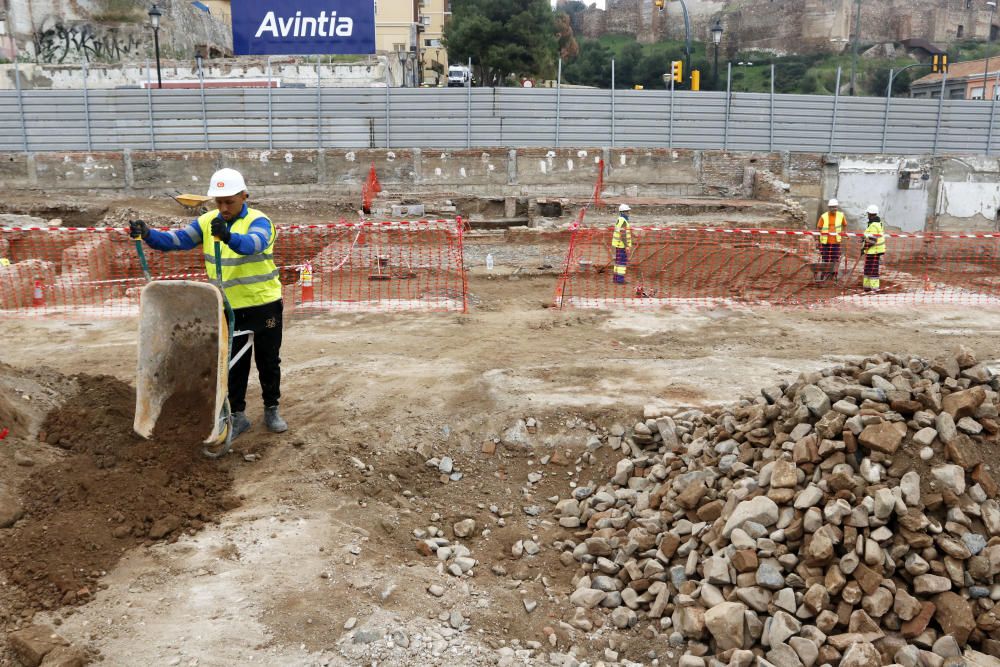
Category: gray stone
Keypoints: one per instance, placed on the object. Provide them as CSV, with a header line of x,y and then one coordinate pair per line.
x,y
446,466
910,487
974,542
464,528
815,399
946,429
725,623
760,509
925,436
587,598
769,576
969,425
950,477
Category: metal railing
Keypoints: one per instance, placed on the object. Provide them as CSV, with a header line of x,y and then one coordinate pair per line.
x,y
93,119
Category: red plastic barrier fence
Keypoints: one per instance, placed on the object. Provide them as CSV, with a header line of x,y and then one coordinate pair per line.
x,y
362,266
707,266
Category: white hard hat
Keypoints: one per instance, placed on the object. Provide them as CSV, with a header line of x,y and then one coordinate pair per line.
x,y
872,210
833,202
624,207
226,183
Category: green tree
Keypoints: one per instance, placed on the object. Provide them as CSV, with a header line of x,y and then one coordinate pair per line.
x,y
878,82
505,38
627,65
592,67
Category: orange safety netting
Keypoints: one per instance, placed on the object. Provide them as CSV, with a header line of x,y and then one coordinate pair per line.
x,y
361,266
708,266
370,190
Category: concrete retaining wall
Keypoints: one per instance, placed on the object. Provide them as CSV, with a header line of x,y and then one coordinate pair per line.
x,y
914,192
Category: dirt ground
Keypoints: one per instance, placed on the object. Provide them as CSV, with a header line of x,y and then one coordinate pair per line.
x,y
324,530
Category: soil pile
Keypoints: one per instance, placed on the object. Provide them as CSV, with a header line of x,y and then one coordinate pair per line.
x,y
111,492
849,518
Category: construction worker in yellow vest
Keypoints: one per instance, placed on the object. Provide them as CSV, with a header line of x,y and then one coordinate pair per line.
x,y
250,281
621,242
831,226
874,248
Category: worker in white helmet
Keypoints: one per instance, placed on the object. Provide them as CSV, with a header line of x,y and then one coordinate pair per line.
x,y
874,249
621,243
831,226
251,283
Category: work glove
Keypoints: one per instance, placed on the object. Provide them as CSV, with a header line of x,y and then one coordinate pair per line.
x,y
138,229
220,230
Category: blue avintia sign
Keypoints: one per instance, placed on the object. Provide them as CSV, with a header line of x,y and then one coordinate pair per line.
x,y
280,27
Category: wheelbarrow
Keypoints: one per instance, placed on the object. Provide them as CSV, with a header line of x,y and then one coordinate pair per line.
x,y
185,342
193,203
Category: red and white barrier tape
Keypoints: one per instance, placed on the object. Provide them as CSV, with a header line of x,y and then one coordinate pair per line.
x,y
456,223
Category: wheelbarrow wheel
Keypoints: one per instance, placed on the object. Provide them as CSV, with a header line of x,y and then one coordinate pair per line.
x,y
221,449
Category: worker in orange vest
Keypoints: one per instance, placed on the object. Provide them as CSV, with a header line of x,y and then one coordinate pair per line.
x,y
831,227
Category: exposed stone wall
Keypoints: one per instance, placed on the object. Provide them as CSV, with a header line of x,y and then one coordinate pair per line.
x,y
794,26
73,31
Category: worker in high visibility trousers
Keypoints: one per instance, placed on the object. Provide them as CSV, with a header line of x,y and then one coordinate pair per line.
x,y
831,226
250,281
874,249
621,242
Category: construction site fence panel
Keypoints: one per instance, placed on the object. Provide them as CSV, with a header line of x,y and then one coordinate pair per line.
x,y
669,266
359,267
281,118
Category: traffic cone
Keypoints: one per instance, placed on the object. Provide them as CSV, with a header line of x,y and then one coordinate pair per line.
x,y
38,295
307,283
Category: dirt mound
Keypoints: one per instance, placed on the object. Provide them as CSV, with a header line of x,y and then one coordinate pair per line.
x,y
110,492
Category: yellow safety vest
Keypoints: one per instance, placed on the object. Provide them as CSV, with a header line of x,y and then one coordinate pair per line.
x,y
248,280
831,228
875,236
623,234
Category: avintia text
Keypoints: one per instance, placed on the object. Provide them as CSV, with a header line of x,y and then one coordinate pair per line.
x,y
306,26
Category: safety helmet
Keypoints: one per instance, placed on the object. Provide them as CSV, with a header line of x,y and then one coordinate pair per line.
x,y
226,183
832,203
872,210
624,208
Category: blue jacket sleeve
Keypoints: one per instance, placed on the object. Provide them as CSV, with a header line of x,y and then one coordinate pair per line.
x,y
255,240
178,239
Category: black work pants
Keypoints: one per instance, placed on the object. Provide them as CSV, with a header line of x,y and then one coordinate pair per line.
x,y
265,323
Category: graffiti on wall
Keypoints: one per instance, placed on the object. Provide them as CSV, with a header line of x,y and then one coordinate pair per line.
x,y
60,43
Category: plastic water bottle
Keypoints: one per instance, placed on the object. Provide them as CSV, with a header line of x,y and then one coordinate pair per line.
x,y
489,262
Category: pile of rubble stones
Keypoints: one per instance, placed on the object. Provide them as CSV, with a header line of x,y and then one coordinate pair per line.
x,y
849,518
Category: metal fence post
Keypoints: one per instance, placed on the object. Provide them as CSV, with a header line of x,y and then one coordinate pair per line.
x,y
937,125
149,105
468,108
86,108
670,118
836,103
993,109
204,106
270,119
319,106
770,142
729,102
888,104
388,111
20,106
612,102
558,100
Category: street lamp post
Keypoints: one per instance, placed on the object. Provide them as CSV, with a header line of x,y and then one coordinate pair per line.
x,y
154,18
717,40
687,37
989,34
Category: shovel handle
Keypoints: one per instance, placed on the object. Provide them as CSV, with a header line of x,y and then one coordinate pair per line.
x,y
142,259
